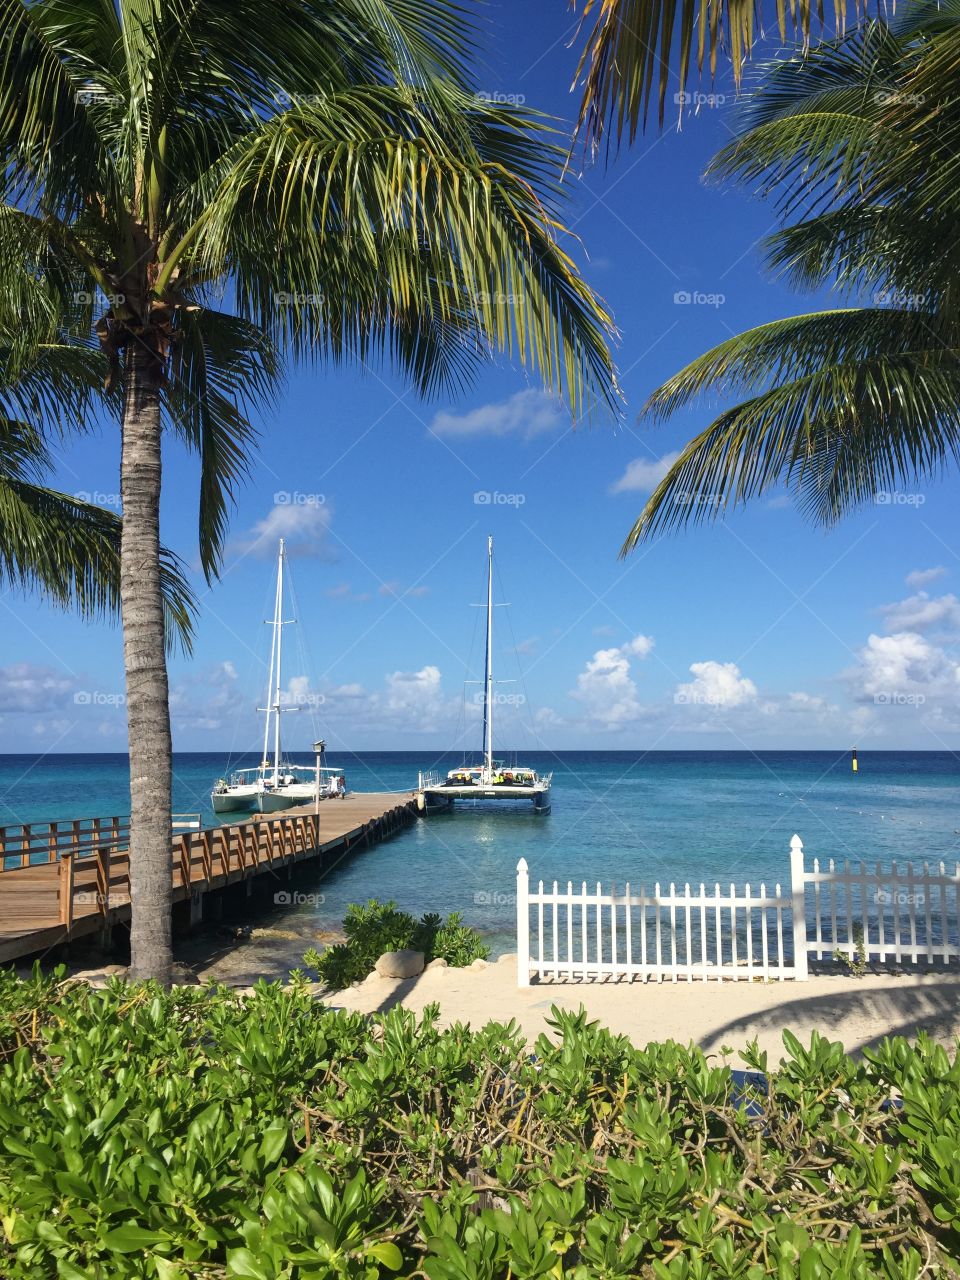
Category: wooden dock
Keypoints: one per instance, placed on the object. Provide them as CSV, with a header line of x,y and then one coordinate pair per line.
x,y
66,880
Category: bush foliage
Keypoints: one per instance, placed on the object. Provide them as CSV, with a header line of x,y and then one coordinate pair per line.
x,y
198,1133
382,926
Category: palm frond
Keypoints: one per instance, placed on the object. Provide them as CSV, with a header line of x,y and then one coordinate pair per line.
x,y
223,369
634,48
49,139
855,402
69,551
361,211
903,259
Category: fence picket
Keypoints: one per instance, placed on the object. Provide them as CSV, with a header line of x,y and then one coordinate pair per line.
x,y
628,917
703,929
584,931
944,926
898,950
570,930
599,928
643,935
763,936
780,961
733,936
832,890
556,931
540,931
927,917
749,926
673,932
613,927
816,906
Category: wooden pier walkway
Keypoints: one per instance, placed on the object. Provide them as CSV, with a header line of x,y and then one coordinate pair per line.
x,y
65,880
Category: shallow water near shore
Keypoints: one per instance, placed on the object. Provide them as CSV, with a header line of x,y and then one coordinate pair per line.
x,y
617,817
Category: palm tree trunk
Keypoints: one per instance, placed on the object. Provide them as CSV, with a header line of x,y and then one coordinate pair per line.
x,y
148,709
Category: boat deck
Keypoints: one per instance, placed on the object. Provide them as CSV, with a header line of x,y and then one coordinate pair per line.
x,y
60,881
498,791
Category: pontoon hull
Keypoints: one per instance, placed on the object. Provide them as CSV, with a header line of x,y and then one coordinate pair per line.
x,y
233,802
277,801
441,797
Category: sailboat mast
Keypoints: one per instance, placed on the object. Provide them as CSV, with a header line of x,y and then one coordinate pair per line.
x,y
488,674
273,657
276,702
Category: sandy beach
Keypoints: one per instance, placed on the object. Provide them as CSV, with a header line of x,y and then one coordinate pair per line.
x,y
857,1011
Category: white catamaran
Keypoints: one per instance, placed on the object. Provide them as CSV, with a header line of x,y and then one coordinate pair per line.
x,y
493,779
271,787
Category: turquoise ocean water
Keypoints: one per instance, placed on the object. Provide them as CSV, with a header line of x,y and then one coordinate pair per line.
x,y
617,816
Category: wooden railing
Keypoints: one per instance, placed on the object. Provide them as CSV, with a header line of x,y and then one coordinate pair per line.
x,y
31,843
54,873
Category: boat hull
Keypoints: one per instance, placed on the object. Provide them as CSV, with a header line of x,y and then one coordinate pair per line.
x,y
442,797
228,802
277,801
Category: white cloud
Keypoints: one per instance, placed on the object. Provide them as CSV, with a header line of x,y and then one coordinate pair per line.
x,y
344,591
917,578
527,414
716,684
908,671
807,702
209,699
638,647
304,526
607,689
352,690
397,589
920,613
416,699
26,687
644,474
895,666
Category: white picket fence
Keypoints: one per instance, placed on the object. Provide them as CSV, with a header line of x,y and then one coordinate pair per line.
x,y
900,914
583,935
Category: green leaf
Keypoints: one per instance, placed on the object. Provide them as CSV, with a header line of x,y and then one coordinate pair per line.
x,y
386,1253
241,1262
131,1239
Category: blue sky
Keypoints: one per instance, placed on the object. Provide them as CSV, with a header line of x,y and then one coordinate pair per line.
x,y
759,631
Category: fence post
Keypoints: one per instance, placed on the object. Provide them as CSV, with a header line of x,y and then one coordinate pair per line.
x,y
799,912
523,924
65,890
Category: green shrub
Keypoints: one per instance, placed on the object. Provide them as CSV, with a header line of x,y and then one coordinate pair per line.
x,y
380,927
198,1134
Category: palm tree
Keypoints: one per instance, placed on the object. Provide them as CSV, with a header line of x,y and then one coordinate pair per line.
x,y
858,142
224,183
632,48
